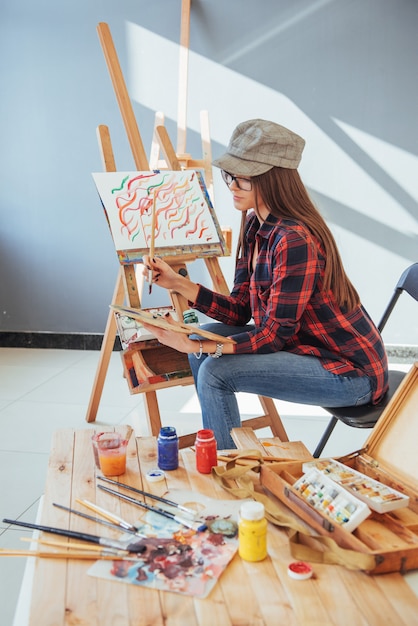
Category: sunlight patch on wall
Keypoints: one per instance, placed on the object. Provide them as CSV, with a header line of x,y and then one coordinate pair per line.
x,y
231,98
401,165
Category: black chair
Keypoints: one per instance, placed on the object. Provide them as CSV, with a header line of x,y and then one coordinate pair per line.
x,y
366,416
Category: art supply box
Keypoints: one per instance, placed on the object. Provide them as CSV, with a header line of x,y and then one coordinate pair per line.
x,y
390,457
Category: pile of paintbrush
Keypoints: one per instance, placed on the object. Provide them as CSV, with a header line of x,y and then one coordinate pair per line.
x,y
105,548
77,551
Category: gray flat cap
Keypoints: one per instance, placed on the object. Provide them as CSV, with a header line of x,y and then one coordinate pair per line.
x,y
258,145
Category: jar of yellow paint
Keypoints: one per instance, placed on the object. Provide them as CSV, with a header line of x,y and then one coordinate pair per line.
x,y
252,532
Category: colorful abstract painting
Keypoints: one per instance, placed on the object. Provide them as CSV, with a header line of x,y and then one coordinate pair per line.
x,y
176,558
184,217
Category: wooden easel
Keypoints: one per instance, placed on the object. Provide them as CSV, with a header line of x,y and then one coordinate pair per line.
x,y
126,283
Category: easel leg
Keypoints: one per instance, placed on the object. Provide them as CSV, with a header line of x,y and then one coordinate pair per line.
x,y
275,422
153,412
106,350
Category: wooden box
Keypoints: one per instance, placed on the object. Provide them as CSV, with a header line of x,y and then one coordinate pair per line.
x,y
391,457
151,365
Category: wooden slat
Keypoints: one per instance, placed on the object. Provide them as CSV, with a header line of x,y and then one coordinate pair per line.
x,y
81,589
370,601
183,76
58,489
125,105
400,596
246,439
307,605
206,161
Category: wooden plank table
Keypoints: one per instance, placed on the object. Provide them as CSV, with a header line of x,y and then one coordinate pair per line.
x,y
247,593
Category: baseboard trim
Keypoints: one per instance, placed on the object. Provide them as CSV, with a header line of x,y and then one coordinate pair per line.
x,y
58,341
84,341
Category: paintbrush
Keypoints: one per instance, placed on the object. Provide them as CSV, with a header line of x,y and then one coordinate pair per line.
x,y
253,457
112,517
65,555
152,245
136,546
154,509
127,528
150,495
75,546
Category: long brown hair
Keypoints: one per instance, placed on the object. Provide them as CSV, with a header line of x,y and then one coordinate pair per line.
x,y
285,196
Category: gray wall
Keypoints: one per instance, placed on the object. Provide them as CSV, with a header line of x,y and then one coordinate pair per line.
x,y
341,73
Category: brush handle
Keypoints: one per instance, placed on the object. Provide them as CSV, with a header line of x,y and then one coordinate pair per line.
x,y
108,515
154,509
56,531
148,495
102,541
148,507
94,519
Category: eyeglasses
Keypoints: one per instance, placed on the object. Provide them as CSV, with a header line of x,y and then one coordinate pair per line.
x,y
244,184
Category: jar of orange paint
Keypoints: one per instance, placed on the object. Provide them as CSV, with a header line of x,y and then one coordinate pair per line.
x,y
111,449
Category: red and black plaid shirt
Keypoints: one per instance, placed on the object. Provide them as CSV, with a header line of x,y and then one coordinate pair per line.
x,y
284,297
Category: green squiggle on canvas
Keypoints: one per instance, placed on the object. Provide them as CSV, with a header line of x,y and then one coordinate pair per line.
x,y
121,186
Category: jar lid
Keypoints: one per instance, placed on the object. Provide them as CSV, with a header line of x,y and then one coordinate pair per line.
x,y
252,511
168,432
299,570
205,435
155,475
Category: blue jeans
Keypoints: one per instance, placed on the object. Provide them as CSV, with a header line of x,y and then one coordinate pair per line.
x,y
282,375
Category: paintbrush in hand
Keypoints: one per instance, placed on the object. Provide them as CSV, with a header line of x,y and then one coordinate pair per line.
x,y
152,245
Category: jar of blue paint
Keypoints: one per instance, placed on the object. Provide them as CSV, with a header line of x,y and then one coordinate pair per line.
x,y
168,448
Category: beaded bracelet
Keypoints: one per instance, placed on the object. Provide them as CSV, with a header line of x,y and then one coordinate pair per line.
x,y
198,356
218,351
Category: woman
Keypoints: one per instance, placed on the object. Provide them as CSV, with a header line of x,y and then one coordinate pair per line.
x,y
300,331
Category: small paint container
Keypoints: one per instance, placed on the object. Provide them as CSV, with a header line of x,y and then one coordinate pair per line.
x,y
190,317
299,570
168,448
155,475
252,532
112,453
206,451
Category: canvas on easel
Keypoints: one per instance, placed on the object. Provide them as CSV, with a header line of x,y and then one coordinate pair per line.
x,y
185,222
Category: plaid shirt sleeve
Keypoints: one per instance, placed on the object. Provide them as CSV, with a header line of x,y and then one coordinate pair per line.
x,y
274,295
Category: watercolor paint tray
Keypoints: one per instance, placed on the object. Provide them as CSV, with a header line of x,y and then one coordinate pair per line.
x,y
378,496
131,330
389,457
333,501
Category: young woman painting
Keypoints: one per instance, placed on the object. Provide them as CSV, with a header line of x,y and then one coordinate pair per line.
x,y
300,331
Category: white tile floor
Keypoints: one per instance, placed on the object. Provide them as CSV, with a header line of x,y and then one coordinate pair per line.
x,y
44,390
